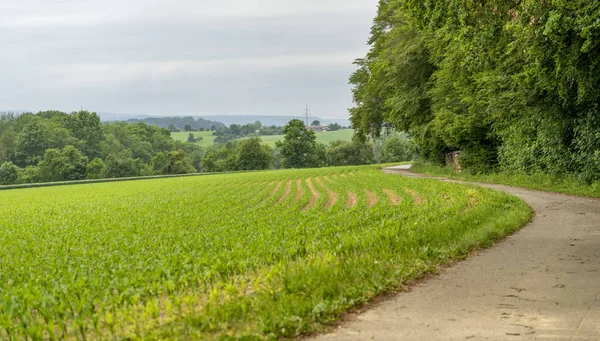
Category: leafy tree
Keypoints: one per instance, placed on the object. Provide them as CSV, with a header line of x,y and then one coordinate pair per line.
x,y
172,128
121,165
191,138
86,126
31,143
187,127
334,127
68,164
9,173
29,174
177,163
397,148
252,155
95,169
213,127
316,123
299,147
159,162
342,153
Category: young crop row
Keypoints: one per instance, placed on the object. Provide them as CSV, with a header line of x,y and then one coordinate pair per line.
x,y
259,255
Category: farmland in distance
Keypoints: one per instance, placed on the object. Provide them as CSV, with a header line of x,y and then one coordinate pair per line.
x,y
323,137
254,255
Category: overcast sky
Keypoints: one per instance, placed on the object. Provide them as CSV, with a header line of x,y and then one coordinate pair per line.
x,y
192,57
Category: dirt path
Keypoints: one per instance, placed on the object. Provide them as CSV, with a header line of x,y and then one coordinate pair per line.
x,y
541,283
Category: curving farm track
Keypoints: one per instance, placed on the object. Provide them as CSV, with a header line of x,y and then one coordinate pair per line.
x,y
541,283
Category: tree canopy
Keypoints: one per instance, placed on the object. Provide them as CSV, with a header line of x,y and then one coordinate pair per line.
x,y
512,84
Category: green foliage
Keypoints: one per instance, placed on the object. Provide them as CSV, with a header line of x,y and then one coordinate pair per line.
x,y
177,162
299,148
224,257
191,138
397,148
334,127
316,123
62,165
96,169
341,153
514,85
253,155
121,165
9,173
542,181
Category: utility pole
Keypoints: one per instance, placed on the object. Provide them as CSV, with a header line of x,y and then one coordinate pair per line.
x,y
306,114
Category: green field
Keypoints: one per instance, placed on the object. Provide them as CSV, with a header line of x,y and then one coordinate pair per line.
x,y
253,255
325,137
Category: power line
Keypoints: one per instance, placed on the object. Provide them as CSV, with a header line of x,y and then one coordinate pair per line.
x,y
306,114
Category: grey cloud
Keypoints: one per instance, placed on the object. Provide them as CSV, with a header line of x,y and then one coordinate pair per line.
x,y
192,59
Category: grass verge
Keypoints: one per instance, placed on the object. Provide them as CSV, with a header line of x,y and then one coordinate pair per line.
x,y
542,182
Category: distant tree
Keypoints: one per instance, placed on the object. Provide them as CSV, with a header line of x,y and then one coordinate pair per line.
x,y
172,128
342,153
397,149
95,169
32,142
178,163
316,123
299,146
202,129
86,127
334,127
63,165
29,174
252,155
213,128
191,138
159,162
122,164
235,129
9,173
187,127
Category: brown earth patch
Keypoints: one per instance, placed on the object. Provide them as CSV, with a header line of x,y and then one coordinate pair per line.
x,y
327,179
343,175
352,199
419,200
394,198
314,195
335,176
371,199
286,191
274,191
332,196
299,191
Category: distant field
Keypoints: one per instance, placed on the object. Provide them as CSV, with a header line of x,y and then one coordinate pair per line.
x,y
325,137
207,136
267,255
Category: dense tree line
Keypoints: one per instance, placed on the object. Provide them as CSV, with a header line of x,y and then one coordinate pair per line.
x,y
56,146
174,124
512,84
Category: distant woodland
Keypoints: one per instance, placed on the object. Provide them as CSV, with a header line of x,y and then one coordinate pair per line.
x,y
55,146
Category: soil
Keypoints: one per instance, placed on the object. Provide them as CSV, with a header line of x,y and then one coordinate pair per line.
x,y
352,200
394,199
314,195
371,199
